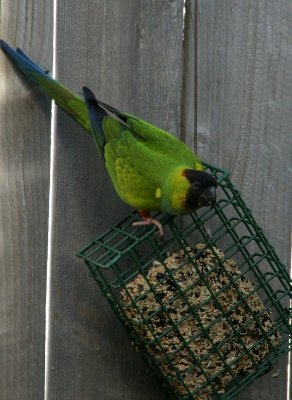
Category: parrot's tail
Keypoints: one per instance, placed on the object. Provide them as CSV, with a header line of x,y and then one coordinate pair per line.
x,y
72,104
96,115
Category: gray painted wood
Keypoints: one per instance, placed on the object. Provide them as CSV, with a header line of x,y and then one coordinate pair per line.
x,y
189,102
130,54
24,182
245,118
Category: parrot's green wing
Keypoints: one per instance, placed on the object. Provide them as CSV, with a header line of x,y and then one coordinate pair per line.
x,y
135,187
117,146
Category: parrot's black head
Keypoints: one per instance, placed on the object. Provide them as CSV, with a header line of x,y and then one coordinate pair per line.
x,y
202,191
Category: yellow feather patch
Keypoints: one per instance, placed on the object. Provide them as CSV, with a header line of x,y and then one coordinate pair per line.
x,y
199,166
182,186
158,193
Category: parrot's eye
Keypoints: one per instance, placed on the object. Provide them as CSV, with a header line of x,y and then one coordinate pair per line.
x,y
196,185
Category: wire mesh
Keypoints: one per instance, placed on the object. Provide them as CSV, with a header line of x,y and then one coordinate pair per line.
x,y
207,306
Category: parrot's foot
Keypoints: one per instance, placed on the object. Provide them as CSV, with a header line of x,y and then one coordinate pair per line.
x,y
147,220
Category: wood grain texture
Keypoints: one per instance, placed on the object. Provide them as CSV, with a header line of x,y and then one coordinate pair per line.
x,y
245,118
189,98
130,54
24,182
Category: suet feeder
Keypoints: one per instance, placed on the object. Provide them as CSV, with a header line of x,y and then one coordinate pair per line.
x,y
208,305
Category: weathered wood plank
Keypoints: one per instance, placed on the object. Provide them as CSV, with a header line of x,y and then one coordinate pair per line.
x,y
245,118
130,54
24,182
189,101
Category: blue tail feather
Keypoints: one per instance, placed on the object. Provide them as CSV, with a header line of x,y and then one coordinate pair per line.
x,y
22,61
96,115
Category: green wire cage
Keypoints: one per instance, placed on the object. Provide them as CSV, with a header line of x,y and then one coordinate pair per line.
x,y
208,305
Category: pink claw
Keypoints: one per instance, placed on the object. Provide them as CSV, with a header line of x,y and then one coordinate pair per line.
x,y
149,221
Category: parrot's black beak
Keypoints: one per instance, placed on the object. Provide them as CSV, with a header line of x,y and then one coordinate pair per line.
x,y
209,196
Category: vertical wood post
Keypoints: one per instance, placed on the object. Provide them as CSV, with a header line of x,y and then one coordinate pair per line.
x,y
25,117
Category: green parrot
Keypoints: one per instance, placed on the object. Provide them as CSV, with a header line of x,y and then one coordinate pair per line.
x,y
151,170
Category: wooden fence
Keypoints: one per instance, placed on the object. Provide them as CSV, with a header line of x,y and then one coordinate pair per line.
x,y
218,75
